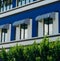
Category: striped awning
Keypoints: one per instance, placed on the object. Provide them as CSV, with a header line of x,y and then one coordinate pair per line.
x,y
50,15
25,21
5,26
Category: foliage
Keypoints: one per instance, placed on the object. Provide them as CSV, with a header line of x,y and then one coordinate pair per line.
x,y
44,51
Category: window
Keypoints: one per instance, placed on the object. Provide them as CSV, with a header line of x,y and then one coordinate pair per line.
x,y
5,5
4,35
23,31
47,26
24,2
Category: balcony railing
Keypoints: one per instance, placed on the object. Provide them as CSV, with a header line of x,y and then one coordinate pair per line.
x,y
25,2
7,45
22,8
8,4
5,5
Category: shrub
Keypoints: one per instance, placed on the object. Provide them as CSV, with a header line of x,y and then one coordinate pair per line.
x,y
45,51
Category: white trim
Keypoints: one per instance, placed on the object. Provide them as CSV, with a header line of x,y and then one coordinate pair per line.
x,y
16,3
17,33
55,26
0,36
40,28
9,34
40,17
28,41
29,31
28,7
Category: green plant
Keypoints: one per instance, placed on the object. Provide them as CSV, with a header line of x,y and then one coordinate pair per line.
x,y
45,51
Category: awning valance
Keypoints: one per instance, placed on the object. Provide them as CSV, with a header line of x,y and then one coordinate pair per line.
x,y
25,21
40,17
5,26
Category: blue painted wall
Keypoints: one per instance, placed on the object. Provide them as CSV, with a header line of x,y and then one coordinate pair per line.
x,y
31,14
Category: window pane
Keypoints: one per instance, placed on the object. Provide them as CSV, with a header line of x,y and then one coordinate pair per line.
x,y
26,33
23,31
50,26
48,23
46,29
50,29
4,35
4,30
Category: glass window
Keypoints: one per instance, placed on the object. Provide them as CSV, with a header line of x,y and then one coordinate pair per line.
x,y
5,5
23,31
24,2
4,35
48,22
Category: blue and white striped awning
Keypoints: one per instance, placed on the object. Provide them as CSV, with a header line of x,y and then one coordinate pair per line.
x,y
25,21
40,17
5,26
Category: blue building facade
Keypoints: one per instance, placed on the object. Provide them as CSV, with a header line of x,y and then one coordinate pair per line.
x,y
28,19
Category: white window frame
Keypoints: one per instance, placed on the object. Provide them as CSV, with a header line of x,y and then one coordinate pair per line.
x,y
29,33
8,35
55,27
4,35
23,31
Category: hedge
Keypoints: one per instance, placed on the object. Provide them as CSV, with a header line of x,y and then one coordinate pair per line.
x,y
44,51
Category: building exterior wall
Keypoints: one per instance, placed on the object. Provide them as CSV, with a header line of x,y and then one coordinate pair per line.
x,y
33,13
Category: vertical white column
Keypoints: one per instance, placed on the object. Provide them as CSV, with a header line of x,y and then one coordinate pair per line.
x,y
50,29
26,33
9,34
4,7
27,1
22,33
0,36
29,29
7,7
40,28
6,36
17,33
55,23
46,29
